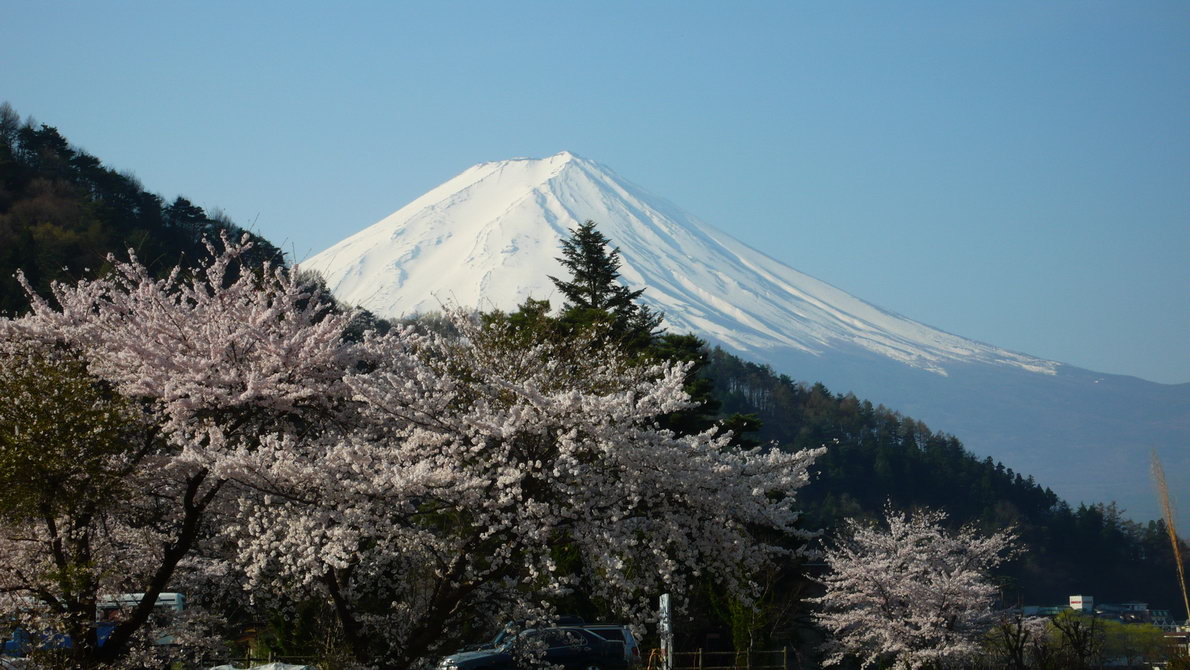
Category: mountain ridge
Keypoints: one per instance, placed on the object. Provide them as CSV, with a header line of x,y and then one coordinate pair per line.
x,y
489,238
693,297
1070,550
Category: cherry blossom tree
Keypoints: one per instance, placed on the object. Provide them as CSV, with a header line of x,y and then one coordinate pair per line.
x,y
909,594
482,462
211,362
72,455
413,480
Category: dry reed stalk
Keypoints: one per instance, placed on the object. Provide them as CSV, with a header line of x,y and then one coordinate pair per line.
x,y
1167,512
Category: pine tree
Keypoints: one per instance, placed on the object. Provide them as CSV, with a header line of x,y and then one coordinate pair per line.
x,y
594,297
593,293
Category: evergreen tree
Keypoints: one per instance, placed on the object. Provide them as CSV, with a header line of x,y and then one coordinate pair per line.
x,y
62,212
595,298
593,293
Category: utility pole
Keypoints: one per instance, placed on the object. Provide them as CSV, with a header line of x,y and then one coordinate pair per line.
x,y
666,631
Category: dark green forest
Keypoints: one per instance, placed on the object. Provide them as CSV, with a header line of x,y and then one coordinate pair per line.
x,y
882,456
62,212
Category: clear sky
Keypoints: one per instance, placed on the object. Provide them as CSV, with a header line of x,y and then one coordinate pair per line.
x,y
1013,172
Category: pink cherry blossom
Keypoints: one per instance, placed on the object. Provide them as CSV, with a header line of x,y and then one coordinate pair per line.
x,y
910,593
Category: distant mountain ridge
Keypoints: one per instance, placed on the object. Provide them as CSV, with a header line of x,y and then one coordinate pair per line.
x,y
880,455
490,236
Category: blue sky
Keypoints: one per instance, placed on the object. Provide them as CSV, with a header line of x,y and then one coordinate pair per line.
x,y
1013,172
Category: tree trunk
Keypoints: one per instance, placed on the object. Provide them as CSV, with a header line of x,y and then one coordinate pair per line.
x,y
194,506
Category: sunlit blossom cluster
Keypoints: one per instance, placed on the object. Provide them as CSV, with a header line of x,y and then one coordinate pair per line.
x,y
909,594
479,463
411,478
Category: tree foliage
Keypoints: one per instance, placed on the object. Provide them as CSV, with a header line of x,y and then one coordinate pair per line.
x,y
75,462
409,480
593,292
909,593
485,459
880,455
62,212
211,361
597,303
65,439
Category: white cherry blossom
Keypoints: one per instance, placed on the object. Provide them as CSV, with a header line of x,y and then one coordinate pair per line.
x,y
910,593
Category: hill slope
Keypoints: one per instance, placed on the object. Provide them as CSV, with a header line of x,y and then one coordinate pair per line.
x,y
64,209
62,212
489,238
491,235
884,456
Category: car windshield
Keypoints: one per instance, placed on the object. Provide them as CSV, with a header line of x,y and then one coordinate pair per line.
x,y
551,639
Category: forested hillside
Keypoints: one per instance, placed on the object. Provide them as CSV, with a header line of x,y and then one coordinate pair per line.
x,y
62,212
883,456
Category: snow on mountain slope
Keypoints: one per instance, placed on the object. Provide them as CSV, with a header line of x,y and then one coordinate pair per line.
x,y
490,238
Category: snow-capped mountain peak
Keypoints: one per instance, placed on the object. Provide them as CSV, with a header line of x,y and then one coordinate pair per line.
x,y
490,237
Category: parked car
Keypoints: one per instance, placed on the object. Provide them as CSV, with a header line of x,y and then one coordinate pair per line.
x,y
571,647
618,633
512,627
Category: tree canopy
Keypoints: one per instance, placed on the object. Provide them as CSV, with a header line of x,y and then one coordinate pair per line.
x,y
408,480
593,291
909,593
62,212
184,421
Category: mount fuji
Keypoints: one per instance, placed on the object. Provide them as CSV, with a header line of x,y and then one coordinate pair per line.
x,y
490,237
